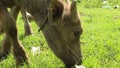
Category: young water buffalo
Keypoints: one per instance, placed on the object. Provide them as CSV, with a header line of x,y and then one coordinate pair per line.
x,y
58,20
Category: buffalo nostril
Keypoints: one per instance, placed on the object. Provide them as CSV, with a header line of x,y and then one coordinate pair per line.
x,y
76,33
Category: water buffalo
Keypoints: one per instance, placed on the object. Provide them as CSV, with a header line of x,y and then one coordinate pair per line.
x,y
59,21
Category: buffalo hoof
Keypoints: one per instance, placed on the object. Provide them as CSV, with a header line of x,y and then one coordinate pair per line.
x,y
2,56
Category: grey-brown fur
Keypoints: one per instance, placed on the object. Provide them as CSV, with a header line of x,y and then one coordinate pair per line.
x,y
27,27
62,29
26,18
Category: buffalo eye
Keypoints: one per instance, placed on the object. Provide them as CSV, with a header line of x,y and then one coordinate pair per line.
x,y
77,33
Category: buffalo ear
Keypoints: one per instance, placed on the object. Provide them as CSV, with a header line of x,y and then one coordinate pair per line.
x,y
74,12
67,1
55,10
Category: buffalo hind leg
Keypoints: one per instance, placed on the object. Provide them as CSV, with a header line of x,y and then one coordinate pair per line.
x,y
10,28
27,27
6,48
1,30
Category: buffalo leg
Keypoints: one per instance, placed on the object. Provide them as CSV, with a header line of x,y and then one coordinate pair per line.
x,y
6,45
27,27
6,48
9,25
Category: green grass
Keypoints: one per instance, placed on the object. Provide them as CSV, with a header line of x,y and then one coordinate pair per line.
x,y
101,38
100,42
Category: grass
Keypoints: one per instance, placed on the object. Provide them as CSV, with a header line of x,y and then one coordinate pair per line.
x,y
100,42
101,38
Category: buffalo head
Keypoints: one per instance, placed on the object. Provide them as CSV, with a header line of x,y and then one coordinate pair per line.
x,y
62,28
63,32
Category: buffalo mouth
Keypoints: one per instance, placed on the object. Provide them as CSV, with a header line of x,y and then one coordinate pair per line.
x,y
75,56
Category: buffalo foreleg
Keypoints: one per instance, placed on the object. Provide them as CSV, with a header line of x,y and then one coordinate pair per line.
x,y
6,45
9,26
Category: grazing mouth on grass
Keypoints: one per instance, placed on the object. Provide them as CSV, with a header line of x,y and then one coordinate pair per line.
x,y
79,66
